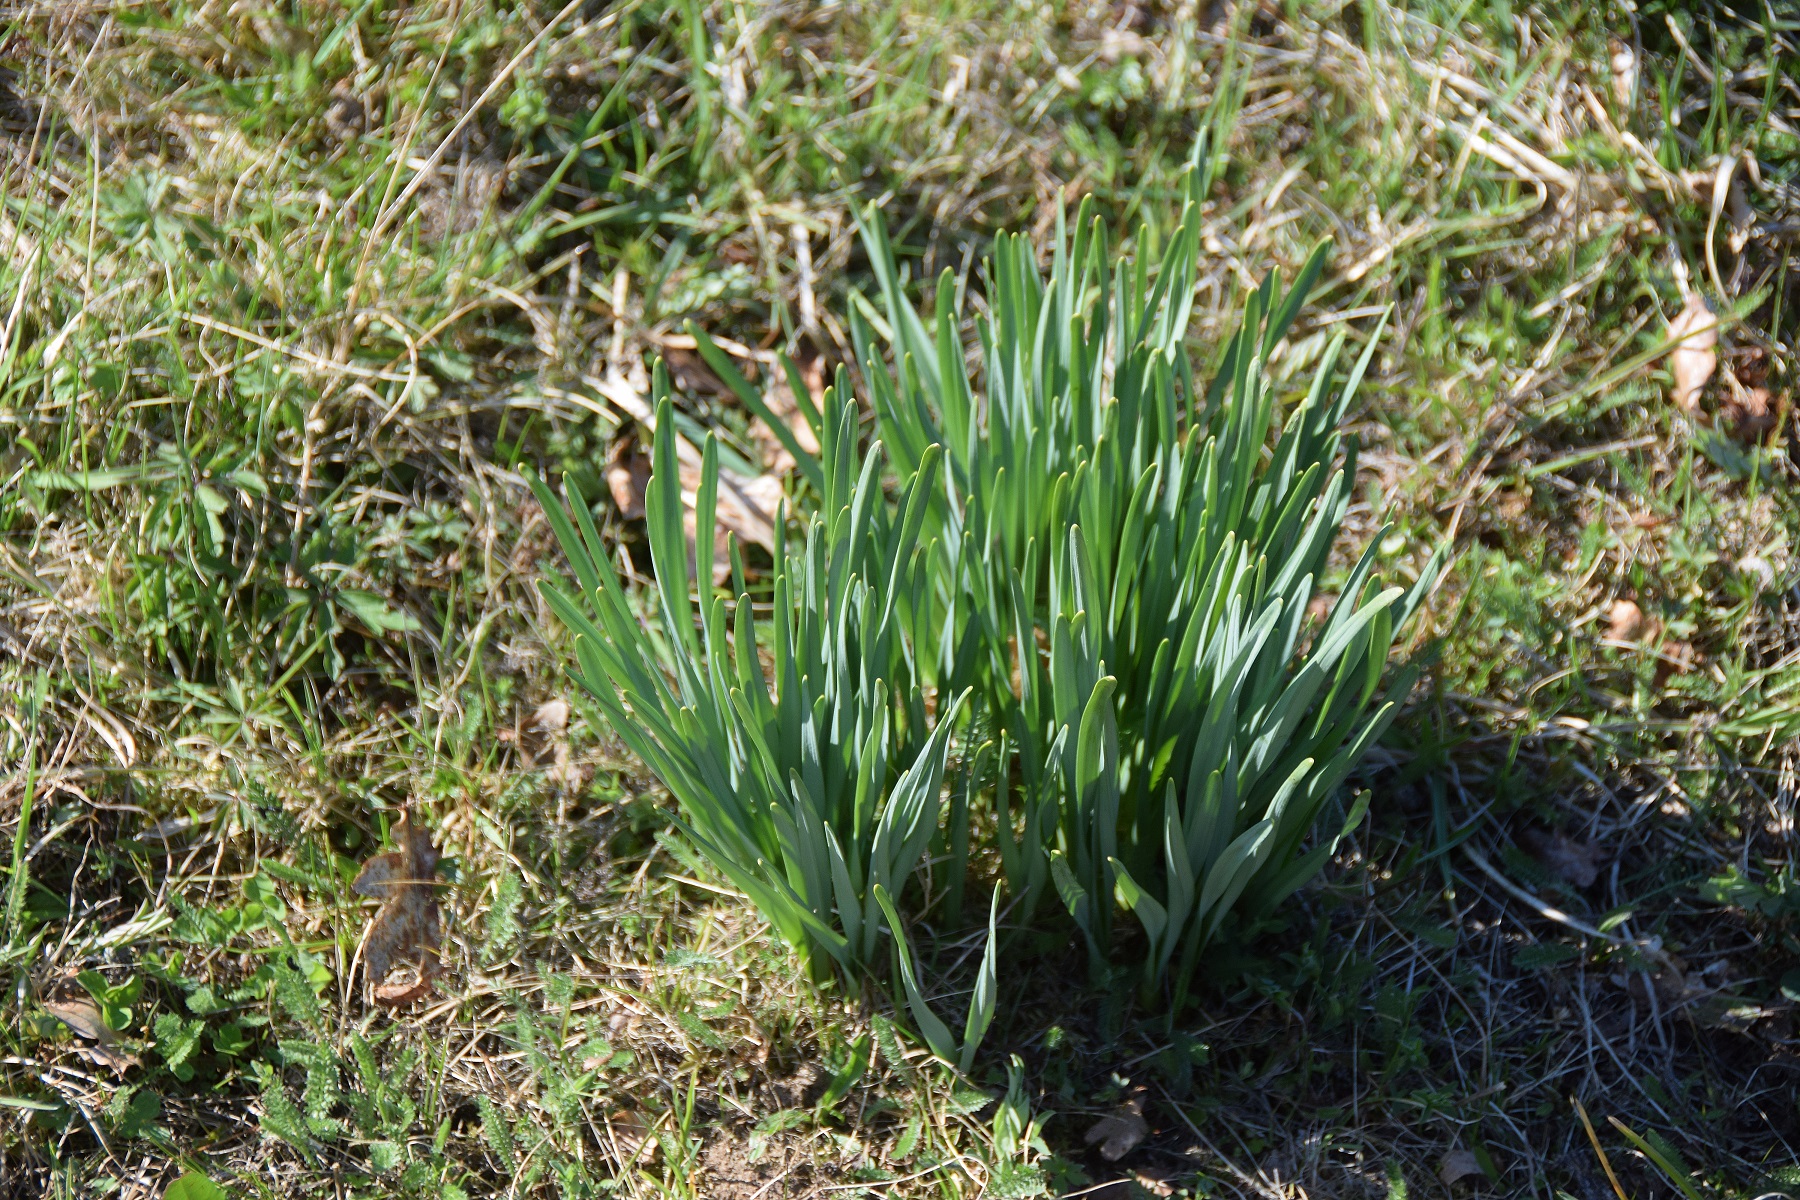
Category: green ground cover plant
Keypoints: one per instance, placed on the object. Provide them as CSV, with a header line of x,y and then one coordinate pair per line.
x,y
299,295
790,794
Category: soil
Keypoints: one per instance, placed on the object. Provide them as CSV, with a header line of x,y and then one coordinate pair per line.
x,y
783,1169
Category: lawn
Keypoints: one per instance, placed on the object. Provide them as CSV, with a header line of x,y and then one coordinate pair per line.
x,y
301,298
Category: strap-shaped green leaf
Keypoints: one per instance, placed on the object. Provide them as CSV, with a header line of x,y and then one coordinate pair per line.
x,y
668,541
1178,869
1231,874
1072,894
937,1034
1282,319
849,904
987,992
571,545
752,399
1281,884
796,923
1153,916
1097,786
706,514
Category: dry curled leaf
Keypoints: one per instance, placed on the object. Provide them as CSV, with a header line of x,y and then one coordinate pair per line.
x,y
1667,980
1695,332
631,1137
1624,621
1624,72
85,1022
746,506
405,930
1459,1164
1676,658
786,408
1119,1133
552,716
1573,862
627,476
1156,1185
1751,414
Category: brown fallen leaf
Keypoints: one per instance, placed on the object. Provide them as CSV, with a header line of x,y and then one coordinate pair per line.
x,y
1156,1185
1624,621
1624,72
1695,332
1119,1133
1573,862
627,475
1676,658
1667,980
405,930
1459,1164
85,1022
552,716
786,407
631,1137
746,506
1751,414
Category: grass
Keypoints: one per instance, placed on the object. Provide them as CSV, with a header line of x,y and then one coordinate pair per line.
x,y
294,296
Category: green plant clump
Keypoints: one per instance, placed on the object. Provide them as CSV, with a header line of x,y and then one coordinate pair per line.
x,y
1062,600
809,797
